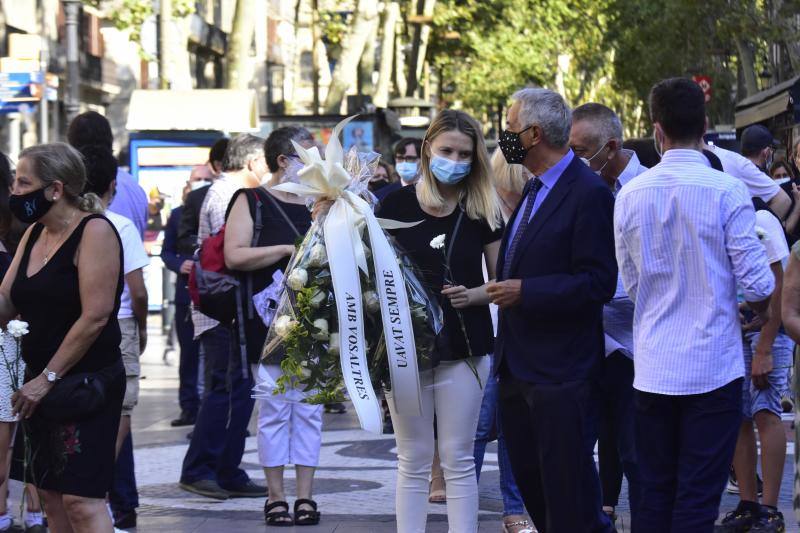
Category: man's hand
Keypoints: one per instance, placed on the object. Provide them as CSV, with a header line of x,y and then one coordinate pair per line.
x,y
762,366
755,324
459,296
507,293
186,267
26,399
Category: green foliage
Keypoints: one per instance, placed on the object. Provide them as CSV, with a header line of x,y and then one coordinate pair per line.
x,y
132,14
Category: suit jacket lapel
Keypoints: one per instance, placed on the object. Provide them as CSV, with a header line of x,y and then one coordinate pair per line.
x,y
501,258
547,209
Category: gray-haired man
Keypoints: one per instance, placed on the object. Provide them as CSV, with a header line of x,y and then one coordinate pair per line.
x,y
596,136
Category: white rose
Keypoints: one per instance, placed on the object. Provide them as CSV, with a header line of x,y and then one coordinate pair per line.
x,y
318,298
297,278
318,256
333,343
283,325
437,243
371,301
17,328
322,326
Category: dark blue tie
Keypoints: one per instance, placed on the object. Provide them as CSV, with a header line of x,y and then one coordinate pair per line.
x,y
532,188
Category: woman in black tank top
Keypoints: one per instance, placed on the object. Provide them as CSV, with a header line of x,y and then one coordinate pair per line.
x,y
65,281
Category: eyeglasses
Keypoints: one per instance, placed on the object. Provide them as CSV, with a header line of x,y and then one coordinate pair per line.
x,y
406,158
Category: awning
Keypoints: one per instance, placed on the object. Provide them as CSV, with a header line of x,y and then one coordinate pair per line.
x,y
765,104
226,110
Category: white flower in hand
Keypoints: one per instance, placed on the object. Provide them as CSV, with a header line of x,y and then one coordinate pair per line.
x,y
318,256
17,328
321,325
297,278
333,343
371,302
283,325
437,243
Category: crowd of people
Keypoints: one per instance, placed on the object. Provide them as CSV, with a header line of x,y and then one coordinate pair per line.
x,y
651,312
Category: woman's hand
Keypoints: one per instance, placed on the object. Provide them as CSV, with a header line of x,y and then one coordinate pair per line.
x,y
321,208
459,295
26,399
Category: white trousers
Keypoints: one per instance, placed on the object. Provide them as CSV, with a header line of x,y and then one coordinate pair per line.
x,y
289,431
452,392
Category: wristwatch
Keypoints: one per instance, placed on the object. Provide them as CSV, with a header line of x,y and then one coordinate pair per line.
x,y
52,377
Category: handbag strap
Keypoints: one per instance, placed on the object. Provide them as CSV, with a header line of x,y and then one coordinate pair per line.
x,y
288,220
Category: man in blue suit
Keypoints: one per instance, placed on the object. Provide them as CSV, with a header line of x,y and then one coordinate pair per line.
x,y
555,271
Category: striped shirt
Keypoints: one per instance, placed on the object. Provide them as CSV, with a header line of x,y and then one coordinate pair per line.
x,y
212,218
685,236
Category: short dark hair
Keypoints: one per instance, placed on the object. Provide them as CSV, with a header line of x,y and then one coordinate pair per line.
x,y
90,128
279,143
241,149
217,152
101,168
678,105
400,147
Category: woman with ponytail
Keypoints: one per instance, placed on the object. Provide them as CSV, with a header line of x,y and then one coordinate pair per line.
x,y
65,281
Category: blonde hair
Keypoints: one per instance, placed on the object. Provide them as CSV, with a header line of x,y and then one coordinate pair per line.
x,y
511,178
61,162
477,195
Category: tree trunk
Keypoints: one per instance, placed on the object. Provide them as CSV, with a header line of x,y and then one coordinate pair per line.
x,y
366,67
164,62
422,34
240,38
747,61
346,71
400,82
390,18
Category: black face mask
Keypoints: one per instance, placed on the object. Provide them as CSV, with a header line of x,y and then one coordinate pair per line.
x,y
511,146
30,207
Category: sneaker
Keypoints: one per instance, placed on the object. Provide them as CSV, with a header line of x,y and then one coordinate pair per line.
x,y
770,521
248,490
733,484
206,487
736,521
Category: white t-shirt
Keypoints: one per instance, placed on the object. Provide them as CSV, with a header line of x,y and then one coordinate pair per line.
x,y
133,256
772,237
758,184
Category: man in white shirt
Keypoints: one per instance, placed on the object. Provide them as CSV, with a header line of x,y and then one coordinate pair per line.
x,y
768,355
211,465
685,237
596,136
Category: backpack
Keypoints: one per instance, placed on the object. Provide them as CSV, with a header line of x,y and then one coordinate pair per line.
x,y
212,287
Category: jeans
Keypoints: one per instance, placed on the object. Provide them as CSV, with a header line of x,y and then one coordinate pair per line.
x,y
217,445
616,444
684,448
189,366
487,422
123,496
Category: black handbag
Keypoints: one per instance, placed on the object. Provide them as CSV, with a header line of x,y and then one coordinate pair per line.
x,y
77,397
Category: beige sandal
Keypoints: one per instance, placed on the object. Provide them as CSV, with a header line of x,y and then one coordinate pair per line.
x,y
437,495
524,525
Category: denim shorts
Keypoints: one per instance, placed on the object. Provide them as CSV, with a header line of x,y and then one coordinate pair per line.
x,y
769,399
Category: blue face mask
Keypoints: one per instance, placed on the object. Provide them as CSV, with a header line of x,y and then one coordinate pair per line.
x,y
407,170
449,171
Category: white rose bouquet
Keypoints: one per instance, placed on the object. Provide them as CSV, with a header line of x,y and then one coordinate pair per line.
x,y
354,316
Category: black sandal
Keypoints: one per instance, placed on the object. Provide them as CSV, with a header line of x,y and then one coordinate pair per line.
x,y
304,517
277,518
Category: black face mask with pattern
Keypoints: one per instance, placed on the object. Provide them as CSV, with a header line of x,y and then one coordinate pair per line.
x,y
511,145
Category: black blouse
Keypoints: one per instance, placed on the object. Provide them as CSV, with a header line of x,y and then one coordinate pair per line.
x,y
466,266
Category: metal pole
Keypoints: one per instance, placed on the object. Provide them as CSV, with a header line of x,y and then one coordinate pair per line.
x,y
14,135
72,102
44,125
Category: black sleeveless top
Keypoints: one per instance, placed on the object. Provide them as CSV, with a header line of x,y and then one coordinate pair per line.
x,y
50,302
275,231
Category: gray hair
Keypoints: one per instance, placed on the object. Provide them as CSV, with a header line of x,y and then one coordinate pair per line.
x,y
548,110
241,150
605,123
61,162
